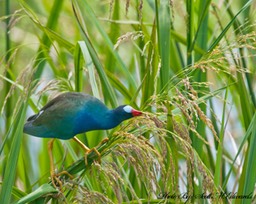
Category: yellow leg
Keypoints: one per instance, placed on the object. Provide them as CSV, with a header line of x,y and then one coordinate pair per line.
x,y
54,177
50,146
87,150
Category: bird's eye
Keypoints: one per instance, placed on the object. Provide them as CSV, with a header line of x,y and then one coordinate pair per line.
x,y
128,109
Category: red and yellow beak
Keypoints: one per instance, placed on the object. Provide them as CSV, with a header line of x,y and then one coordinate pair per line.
x,y
136,112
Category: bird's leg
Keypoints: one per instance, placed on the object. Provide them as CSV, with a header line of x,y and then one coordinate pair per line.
x,y
52,172
54,176
87,150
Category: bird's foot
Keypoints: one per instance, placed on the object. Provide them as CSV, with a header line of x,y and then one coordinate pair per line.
x,y
56,181
94,149
105,140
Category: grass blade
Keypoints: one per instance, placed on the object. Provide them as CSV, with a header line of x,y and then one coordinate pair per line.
x,y
219,38
78,62
89,15
89,64
11,166
41,191
45,41
163,29
250,177
107,89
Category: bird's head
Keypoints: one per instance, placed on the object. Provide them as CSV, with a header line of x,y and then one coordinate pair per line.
x,y
125,112
130,110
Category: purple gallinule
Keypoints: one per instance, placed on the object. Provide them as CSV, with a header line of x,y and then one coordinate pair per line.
x,y
72,113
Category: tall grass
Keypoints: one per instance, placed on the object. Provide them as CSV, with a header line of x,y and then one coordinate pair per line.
x,y
188,65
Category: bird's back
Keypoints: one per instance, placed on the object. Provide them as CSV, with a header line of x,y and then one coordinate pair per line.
x,y
65,116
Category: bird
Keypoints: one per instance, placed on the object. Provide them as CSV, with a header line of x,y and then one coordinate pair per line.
x,y
72,113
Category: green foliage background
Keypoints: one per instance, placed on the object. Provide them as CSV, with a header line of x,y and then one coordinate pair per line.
x,y
189,65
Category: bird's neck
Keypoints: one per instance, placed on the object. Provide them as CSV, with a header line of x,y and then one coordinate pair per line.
x,y
111,120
